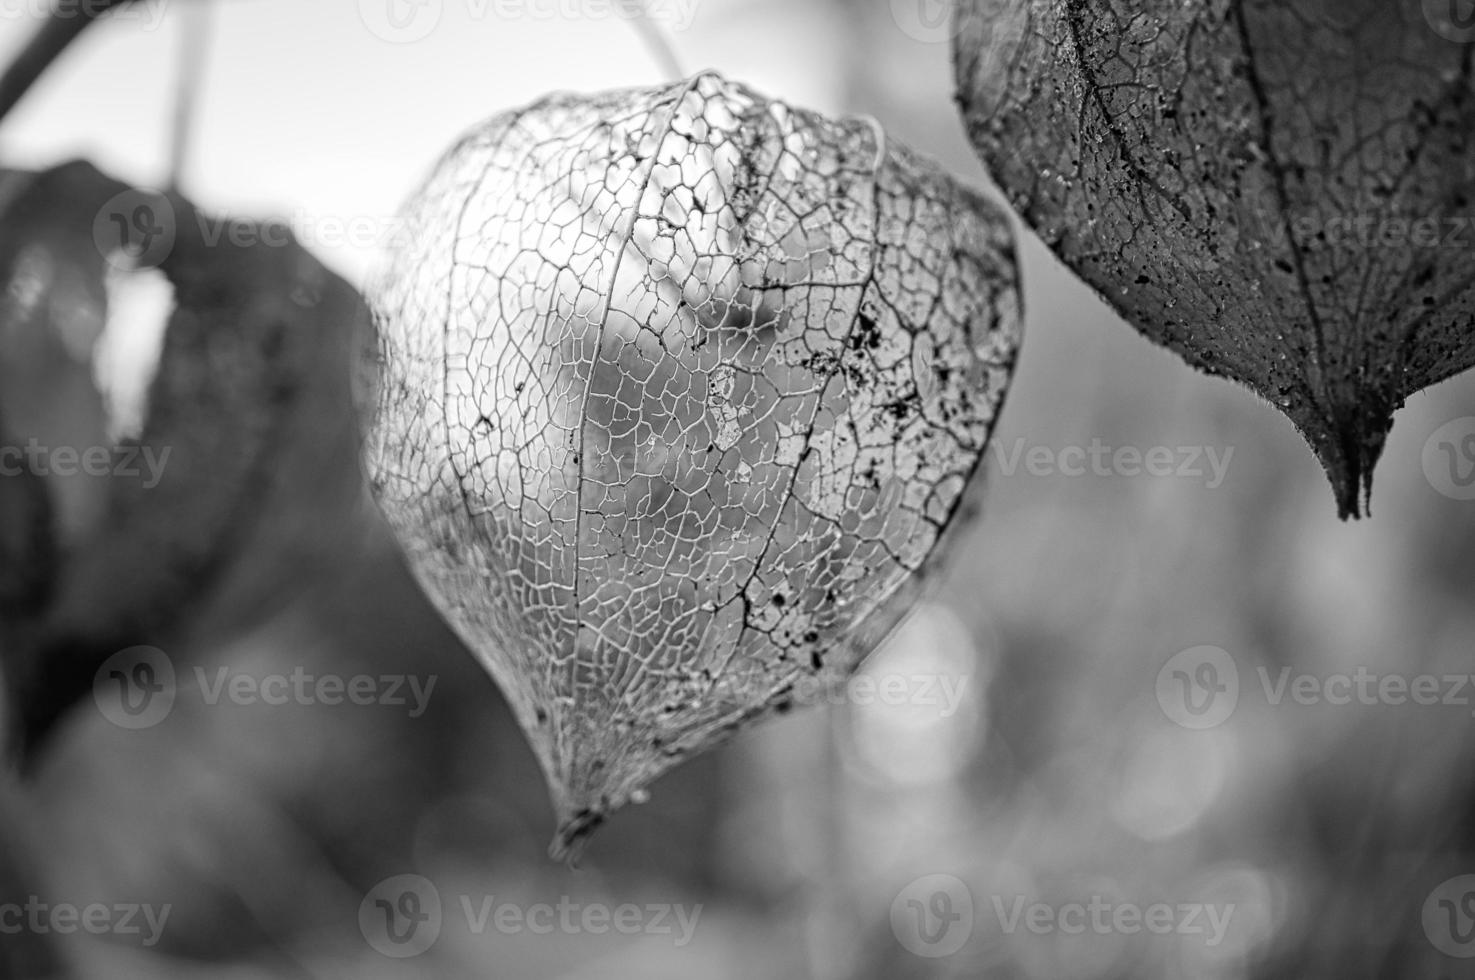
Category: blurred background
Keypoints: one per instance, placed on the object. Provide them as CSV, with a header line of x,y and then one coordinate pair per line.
x,y
1077,766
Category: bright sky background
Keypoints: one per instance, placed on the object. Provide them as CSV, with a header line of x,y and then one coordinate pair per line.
x,y
308,114
307,111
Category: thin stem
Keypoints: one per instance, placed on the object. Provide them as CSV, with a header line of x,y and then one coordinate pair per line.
x,y
53,37
194,38
658,44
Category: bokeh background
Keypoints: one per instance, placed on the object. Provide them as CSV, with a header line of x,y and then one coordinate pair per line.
x,y
1063,775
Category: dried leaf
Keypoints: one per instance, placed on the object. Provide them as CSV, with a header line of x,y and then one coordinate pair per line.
x,y
243,464
1277,190
682,388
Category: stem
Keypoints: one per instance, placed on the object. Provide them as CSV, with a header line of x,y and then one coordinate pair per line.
x,y
194,38
658,44
53,37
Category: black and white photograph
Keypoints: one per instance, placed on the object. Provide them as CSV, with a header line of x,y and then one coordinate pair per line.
x,y
737,490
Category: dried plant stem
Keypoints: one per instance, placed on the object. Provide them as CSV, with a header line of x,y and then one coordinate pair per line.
x,y
194,40
53,37
658,44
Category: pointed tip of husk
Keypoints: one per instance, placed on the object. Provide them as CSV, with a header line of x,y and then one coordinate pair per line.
x,y
1349,450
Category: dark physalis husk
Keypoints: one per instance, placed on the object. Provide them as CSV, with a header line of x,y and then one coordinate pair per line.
x,y
1278,190
229,468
